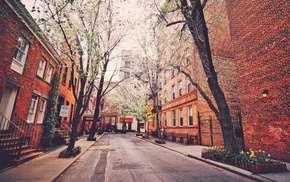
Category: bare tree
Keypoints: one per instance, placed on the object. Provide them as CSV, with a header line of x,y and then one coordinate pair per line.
x,y
194,18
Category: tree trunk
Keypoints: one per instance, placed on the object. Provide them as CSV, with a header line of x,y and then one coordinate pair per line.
x,y
98,100
96,117
197,26
74,131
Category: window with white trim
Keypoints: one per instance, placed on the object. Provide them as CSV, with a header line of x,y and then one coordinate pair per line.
x,y
64,75
165,119
49,74
173,92
172,72
173,118
32,109
41,111
165,78
20,55
180,117
127,64
188,85
180,88
41,67
187,56
126,75
190,118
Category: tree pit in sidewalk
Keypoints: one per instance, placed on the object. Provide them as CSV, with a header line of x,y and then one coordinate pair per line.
x,y
160,141
68,154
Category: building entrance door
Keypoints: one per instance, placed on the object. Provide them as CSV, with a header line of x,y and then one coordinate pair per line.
x,y
7,104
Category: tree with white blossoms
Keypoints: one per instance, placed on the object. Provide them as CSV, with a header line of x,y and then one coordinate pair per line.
x,y
84,35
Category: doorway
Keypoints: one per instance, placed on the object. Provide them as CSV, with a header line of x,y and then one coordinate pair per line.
x,y
129,126
7,104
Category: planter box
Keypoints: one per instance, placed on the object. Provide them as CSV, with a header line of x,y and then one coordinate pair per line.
x,y
262,168
275,166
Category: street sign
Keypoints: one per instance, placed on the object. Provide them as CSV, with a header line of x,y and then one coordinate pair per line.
x,y
64,111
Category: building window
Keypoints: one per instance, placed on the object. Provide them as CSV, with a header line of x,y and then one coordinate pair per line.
x,y
64,75
165,78
173,118
173,92
41,111
180,88
188,85
32,109
70,81
190,118
49,74
172,72
164,97
126,75
165,119
187,56
20,55
180,117
41,68
127,64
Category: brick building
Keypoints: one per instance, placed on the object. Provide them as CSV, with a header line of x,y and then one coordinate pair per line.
x,y
260,36
28,64
184,110
66,95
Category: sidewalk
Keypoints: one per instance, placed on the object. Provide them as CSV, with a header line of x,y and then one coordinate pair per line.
x,y
194,151
46,168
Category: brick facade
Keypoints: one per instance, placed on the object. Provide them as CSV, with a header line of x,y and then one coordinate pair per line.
x,y
222,52
260,35
31,83
28,83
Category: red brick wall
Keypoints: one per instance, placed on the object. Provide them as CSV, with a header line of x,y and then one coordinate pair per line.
x,y
11,29
260,35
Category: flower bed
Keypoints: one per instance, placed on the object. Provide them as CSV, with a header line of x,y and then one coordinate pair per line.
x,y
254,161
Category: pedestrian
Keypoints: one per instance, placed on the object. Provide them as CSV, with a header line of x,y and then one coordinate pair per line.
x,y
162,133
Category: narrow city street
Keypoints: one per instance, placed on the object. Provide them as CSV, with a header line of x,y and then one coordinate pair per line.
x,y
124,157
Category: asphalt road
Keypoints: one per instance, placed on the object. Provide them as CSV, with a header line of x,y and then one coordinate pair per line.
x,y
125,158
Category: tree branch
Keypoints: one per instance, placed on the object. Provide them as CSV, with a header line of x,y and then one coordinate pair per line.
x,y
203,4
207,99
176,22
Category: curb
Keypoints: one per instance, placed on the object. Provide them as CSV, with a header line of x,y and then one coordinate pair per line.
x,y
76,158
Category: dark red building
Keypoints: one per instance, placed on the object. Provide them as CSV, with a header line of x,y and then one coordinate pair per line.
x,y
27,67
260,36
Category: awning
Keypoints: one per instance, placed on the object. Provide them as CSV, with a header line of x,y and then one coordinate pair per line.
x,y
127,120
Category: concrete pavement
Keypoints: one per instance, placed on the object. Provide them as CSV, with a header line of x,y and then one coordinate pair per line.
x,y
48,167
